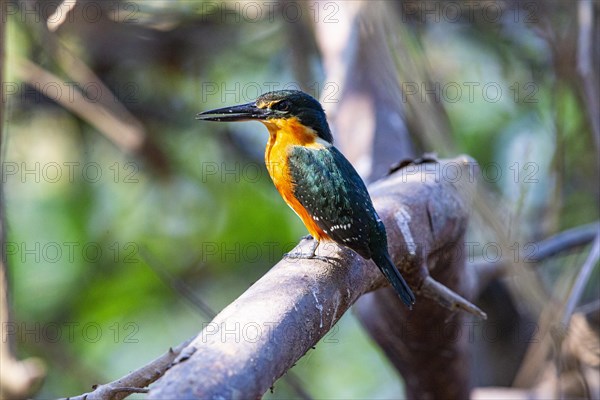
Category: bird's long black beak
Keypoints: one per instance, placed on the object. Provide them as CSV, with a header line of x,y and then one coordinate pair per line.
x,y
243,112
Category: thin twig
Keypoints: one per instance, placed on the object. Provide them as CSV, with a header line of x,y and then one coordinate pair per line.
x,y
582,279
59,16
486,271
566,240
127,136
136,381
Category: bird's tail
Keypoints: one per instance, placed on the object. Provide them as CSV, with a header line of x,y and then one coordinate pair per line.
x,y
386,265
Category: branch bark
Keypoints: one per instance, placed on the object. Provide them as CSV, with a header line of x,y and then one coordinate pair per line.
x,y
258,337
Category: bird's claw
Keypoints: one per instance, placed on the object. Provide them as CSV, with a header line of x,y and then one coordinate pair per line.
x,y
297,255
312,252
304,256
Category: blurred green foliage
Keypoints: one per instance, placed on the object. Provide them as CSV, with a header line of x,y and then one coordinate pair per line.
x,y
89,251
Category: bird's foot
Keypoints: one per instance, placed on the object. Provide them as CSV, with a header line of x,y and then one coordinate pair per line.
x,y
298,255
312,253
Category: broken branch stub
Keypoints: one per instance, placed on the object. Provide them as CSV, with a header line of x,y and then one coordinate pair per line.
x,y
258,337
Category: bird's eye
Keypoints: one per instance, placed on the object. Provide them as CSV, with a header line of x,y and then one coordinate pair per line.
x,y
283,105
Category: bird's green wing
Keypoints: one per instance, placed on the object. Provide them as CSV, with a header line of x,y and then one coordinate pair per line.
x,y
329,188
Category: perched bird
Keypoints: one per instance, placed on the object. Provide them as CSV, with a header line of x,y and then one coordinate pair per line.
x,y
315,179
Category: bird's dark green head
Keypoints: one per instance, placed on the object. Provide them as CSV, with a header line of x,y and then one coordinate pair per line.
x,y
276,107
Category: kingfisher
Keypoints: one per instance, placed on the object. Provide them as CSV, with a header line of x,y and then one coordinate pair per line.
x,y
315,179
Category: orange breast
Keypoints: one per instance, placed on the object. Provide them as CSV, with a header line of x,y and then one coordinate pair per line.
x,y
283,134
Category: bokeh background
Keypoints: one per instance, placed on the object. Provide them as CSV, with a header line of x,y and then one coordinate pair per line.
x,y
128,223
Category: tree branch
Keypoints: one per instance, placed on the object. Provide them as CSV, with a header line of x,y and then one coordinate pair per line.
x,y
486,271
262,334
59,16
